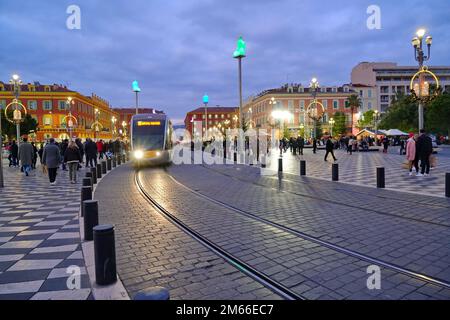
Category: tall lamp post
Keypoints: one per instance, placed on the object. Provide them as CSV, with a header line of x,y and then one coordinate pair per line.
x,y
124,126
331,122
96,124
16,82
313,109
205,102
136,90
69,119
113,121
420,57
376,117
239,54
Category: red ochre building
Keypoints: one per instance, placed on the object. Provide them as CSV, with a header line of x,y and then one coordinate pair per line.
x,y
219,119
47,104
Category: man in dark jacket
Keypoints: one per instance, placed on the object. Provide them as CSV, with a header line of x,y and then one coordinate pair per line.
x,y
90,148
81,149
51,158
424,149
14,154
26,156
301,145
329,148
63,147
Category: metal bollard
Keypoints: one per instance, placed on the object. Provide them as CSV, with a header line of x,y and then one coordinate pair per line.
x,y
153,293
90,218
109,164
86,194
114,164
447,185
302,167
87,182
380,178
103,164
124,160
89,175
99,170
94,175
105,255
280,165
235,157
335,172
119,160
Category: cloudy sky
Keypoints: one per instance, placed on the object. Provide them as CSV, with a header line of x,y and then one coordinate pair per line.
x,y
180,49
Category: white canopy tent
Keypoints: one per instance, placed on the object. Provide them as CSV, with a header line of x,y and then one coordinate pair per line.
x,y
394,133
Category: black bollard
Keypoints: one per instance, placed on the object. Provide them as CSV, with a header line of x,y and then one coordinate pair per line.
x,y
302,167
123,159
119,160
89,175
114,163
380,178
99,170
235,157
103,167
335,172
447,185
86,194
153,293
90,218
105,255
280,165
108,164
94,175
87,182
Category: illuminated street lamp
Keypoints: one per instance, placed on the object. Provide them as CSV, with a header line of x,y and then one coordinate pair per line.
x,y
113,120
331,122
205,102
422,89
124,126
315,109
69,119
17,115
239,54
136,90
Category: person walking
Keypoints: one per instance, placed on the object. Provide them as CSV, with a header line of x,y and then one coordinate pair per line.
x,y
63,147
72,157
314,145
425,149
35,155
99,145
385,144
301,145
351,141
25,155
329,146
411,154
51,158
81,149
14,153
90,147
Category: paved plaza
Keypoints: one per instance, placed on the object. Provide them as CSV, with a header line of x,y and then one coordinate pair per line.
x,y
39,237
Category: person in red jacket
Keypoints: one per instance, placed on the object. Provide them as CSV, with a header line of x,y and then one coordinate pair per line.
x,y
100,149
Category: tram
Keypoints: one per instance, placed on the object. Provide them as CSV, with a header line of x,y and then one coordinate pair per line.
x,y
151,139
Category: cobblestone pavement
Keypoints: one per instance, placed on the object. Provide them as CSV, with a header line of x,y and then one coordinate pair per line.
x,y
39,237
413,235
151,251
360,169
309,269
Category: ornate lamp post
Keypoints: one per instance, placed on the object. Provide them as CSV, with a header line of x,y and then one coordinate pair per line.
x,y
376,118
205,102
17,114
331,122
136,90
97,126
113,121
124,126
239,54
421,90
70,120
315,109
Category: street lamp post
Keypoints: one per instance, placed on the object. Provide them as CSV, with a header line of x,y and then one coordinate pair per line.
x,y
136,90
376,115
314,113
124,126
16,82
420,57
113,120
205,102
70,118
96,123
331,122
239,54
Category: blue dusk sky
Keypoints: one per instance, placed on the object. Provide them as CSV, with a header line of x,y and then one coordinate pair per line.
x,y
179,50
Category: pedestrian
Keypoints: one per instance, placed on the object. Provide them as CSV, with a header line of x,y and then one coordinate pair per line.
x,y
402,146
35,155
425,150
40,152
411,154
63,147
99,145
351,142
90,148
301,145
51,158
81,149
329,146
25,155
72,157
385,144
14,149
314,145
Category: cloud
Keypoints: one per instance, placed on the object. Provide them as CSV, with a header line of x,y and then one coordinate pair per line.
x,y
179,50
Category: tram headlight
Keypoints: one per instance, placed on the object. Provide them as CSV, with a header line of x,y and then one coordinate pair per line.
x,y
139,154
158,153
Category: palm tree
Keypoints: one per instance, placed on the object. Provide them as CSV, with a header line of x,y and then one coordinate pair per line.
x,y
354,102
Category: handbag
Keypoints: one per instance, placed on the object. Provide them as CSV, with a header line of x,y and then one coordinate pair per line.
x,y
44,169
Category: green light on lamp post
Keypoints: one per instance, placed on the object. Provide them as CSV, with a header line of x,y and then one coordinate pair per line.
x,y
240,49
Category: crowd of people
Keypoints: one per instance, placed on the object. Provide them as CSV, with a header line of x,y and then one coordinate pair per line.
x,y
67,155
419,147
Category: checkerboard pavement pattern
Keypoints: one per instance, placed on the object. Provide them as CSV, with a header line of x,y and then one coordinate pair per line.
x,y
360,169
39,238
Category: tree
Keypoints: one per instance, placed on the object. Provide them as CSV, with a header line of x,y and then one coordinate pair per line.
x,y
366,120
437,115
9,129
354,102
402,115
340,126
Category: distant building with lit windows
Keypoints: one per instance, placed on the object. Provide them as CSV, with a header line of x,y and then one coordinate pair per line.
x,y
219,119
47,104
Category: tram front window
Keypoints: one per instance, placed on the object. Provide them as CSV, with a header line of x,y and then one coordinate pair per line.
x,y
148,135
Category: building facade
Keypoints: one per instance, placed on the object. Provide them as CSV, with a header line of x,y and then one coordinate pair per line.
x,y
388,79
49,106
295,99
219,120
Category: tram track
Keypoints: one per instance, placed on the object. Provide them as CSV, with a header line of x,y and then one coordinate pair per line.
x,y
329,245
256,275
